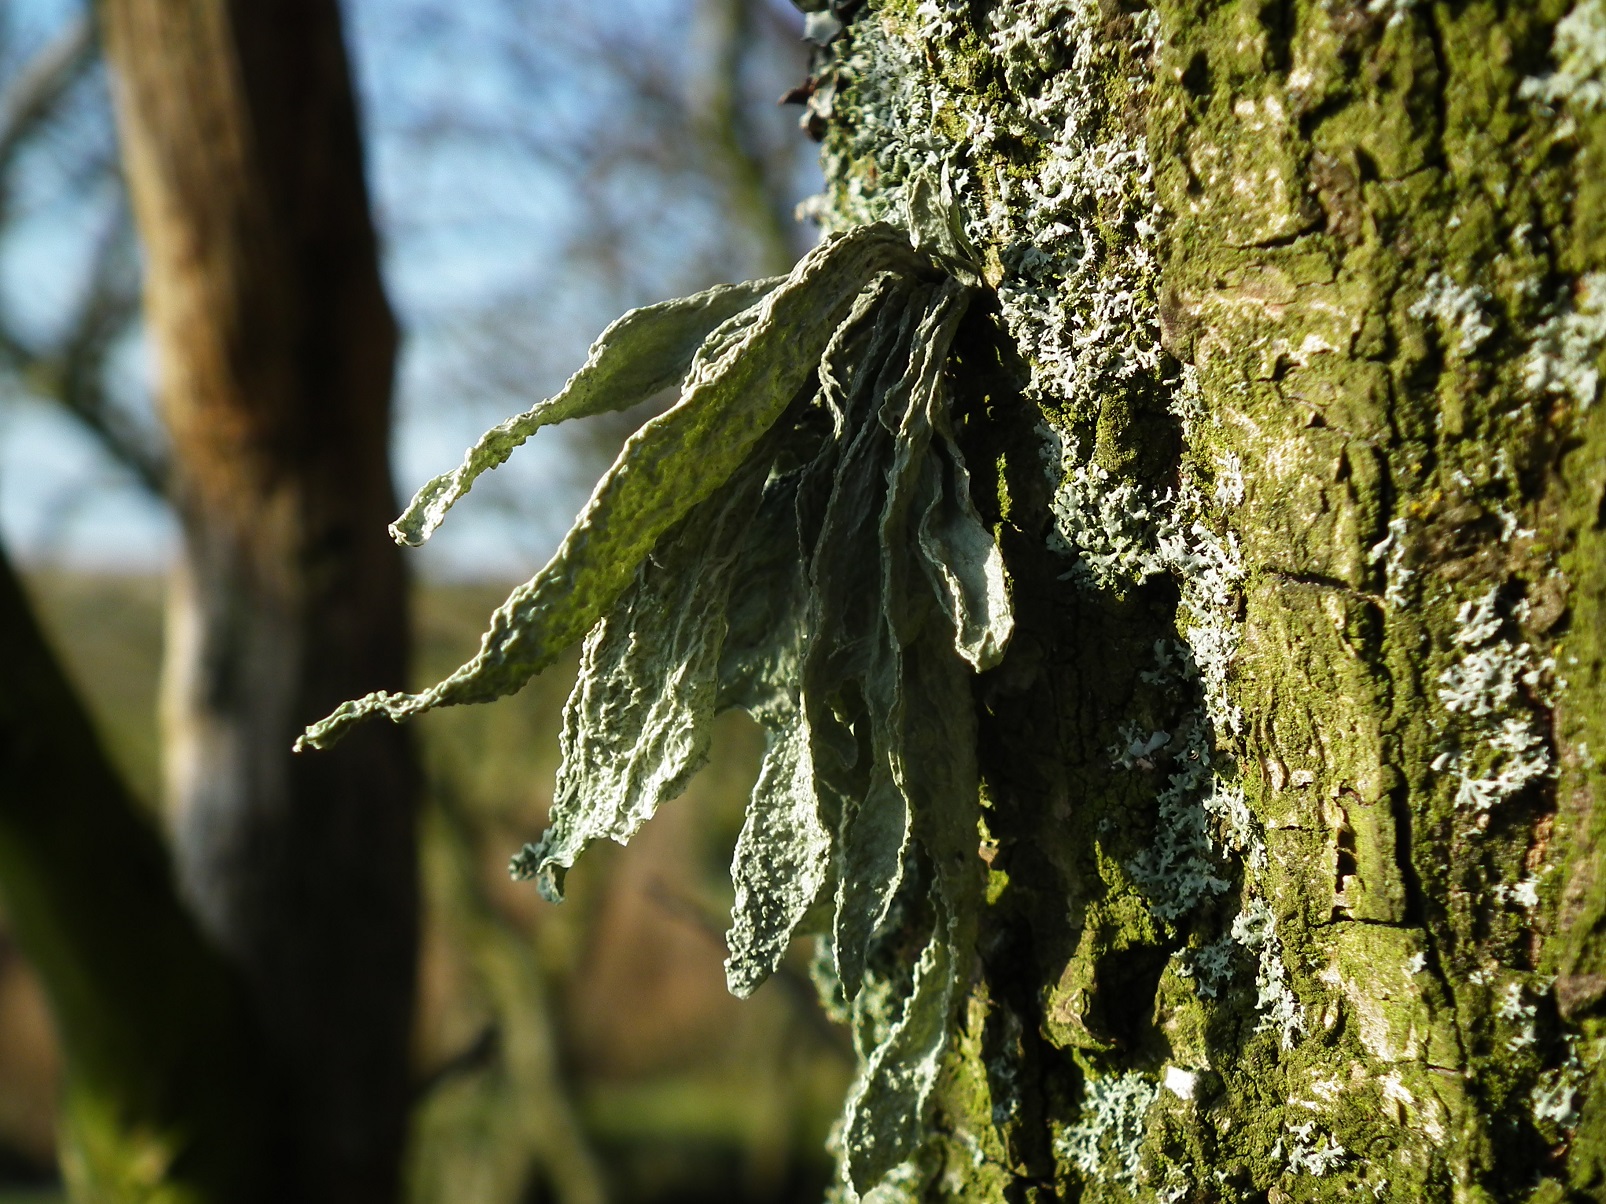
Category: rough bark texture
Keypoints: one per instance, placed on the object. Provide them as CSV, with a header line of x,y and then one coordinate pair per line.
x,y
275,349
167,1097
1290,390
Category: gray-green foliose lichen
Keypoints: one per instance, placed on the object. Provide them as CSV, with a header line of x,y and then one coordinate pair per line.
x,y
796,538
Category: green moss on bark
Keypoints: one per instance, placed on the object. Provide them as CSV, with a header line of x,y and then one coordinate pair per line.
x,y
1304,286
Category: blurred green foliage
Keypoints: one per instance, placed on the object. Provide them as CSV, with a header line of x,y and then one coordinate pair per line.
x,y
574,1053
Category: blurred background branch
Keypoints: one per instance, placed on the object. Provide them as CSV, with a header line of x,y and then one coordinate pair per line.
x,y
69,365
35,90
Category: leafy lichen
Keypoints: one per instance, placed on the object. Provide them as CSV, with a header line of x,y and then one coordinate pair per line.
x,y
1110,1135
742,376
794,538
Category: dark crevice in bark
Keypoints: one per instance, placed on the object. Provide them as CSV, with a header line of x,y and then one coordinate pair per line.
x,y
1440,106
1279,19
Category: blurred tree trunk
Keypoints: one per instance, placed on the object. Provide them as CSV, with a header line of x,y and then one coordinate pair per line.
x,y
724,122
275,348
167,1096
1295,769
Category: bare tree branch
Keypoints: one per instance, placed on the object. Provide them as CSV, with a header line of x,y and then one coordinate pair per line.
x,y
71,370
109,308
32,96
72,373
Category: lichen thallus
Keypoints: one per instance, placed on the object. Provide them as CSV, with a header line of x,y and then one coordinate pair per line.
x,y
794,537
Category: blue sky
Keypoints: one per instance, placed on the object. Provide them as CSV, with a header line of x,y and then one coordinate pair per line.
x,y
478,221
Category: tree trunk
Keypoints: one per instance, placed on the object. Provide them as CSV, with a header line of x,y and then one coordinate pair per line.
x,y
1291,393
276,346
167,1096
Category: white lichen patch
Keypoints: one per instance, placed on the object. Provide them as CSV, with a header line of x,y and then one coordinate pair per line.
x,y
1121,534
1181,867
1086,316
1523,893
1394,1090
1173,665
1521,758
1564,359
1390,552
1307,1152
1108,1138
1135,750
1075,236
1557,1097
1579,52
1210,966
1109,525
1076,246
1178,870
1210,570
1477,621
1484,681
1255,928
1520,1013
1240,830
1230,489
1397,10
1507,750
1459,310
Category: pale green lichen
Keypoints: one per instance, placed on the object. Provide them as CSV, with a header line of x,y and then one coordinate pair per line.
x,y
1110,526
1179,869
1460,310
1507,750
1557,1096
1211,966
1564,359
1255,928
741,379
1121,534
1391,552
1520,1014
1310,1154
1579,52
1108,1138
794,538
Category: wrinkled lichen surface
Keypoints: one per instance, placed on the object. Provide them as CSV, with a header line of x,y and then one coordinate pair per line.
x,y
794,537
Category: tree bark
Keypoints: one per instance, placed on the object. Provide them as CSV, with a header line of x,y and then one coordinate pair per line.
x,y
276,347
1292,814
